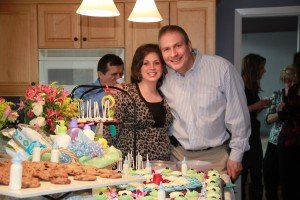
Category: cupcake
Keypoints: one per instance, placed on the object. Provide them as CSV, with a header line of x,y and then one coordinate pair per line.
x,y
176,173
146,198
154,194
124,192
212,193
125,197
101,197
175,194
212,183
200,176
181,198
191,172
192,195
166,171
212,172
213,188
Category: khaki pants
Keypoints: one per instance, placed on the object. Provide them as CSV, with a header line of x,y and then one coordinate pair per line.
x,y
218,156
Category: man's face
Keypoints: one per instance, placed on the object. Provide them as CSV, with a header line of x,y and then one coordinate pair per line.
x,y
111,76
176,53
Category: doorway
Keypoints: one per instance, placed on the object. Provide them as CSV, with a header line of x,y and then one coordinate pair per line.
x,y
243,16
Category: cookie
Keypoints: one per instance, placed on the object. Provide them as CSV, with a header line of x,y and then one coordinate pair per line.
x,y
85,177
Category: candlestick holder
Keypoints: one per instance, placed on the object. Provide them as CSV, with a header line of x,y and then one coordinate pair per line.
x,y
95,87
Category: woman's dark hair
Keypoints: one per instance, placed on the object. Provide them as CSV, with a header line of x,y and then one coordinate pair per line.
x,y
251,69
138,59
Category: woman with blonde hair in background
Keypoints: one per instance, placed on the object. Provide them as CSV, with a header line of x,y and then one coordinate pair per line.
x,y
289,140
271,163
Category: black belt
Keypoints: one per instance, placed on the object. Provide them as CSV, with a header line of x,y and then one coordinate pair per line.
x,y
176,143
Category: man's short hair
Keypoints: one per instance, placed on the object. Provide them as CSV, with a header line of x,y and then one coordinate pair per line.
x,y
109,60
174,28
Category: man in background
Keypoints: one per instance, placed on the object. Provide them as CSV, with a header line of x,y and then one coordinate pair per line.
x,y
110,69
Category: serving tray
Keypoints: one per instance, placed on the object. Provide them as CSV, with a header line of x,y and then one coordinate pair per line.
x,y
49,188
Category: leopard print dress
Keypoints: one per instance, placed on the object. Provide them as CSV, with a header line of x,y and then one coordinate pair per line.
x,y
150,139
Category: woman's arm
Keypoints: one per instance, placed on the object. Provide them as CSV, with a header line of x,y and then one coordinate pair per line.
x,y
259,105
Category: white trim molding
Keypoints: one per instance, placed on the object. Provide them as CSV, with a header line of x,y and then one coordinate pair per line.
x,y
258,12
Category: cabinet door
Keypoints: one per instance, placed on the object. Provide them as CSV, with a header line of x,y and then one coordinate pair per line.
x,y
103,31
198,20
18,48
59,26
140,33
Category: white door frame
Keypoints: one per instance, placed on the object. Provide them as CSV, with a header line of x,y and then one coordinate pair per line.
x,y
259,12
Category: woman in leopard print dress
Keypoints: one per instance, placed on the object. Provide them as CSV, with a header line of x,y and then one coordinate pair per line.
x,y
144,108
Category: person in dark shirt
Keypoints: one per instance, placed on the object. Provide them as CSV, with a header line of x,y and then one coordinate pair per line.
x,y
253,69
289,140
270,165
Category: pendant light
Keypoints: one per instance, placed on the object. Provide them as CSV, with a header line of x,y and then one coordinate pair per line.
x,y
145,11
98,8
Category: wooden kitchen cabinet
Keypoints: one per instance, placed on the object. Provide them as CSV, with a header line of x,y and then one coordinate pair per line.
x,y
60,27
137,34
27,26
196,17
18,48
198,20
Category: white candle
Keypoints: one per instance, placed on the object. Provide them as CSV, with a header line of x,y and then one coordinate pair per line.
x,y
183,167
125,166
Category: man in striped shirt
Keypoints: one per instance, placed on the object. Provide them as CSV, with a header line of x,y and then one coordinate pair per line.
x,y
207,100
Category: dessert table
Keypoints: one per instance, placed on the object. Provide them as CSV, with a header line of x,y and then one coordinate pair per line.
x,y
228,193
47,188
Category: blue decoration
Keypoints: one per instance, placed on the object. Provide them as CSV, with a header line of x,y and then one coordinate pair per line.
x,y
79,148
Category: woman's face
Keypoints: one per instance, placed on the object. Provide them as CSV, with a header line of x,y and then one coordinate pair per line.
x,y
289,82
152,68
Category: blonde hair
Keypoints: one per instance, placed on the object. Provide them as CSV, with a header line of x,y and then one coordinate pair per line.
x,y
288,72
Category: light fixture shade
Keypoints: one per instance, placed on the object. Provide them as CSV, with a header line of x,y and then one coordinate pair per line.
x,y
98,8
145,11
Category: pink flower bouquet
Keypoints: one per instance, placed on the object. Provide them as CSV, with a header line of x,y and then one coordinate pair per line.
x,y
44,105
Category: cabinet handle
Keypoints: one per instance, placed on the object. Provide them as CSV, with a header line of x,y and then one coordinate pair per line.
x,y
32,83
84,39
75,38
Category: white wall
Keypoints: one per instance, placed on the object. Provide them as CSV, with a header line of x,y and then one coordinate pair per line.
x,y
278,48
